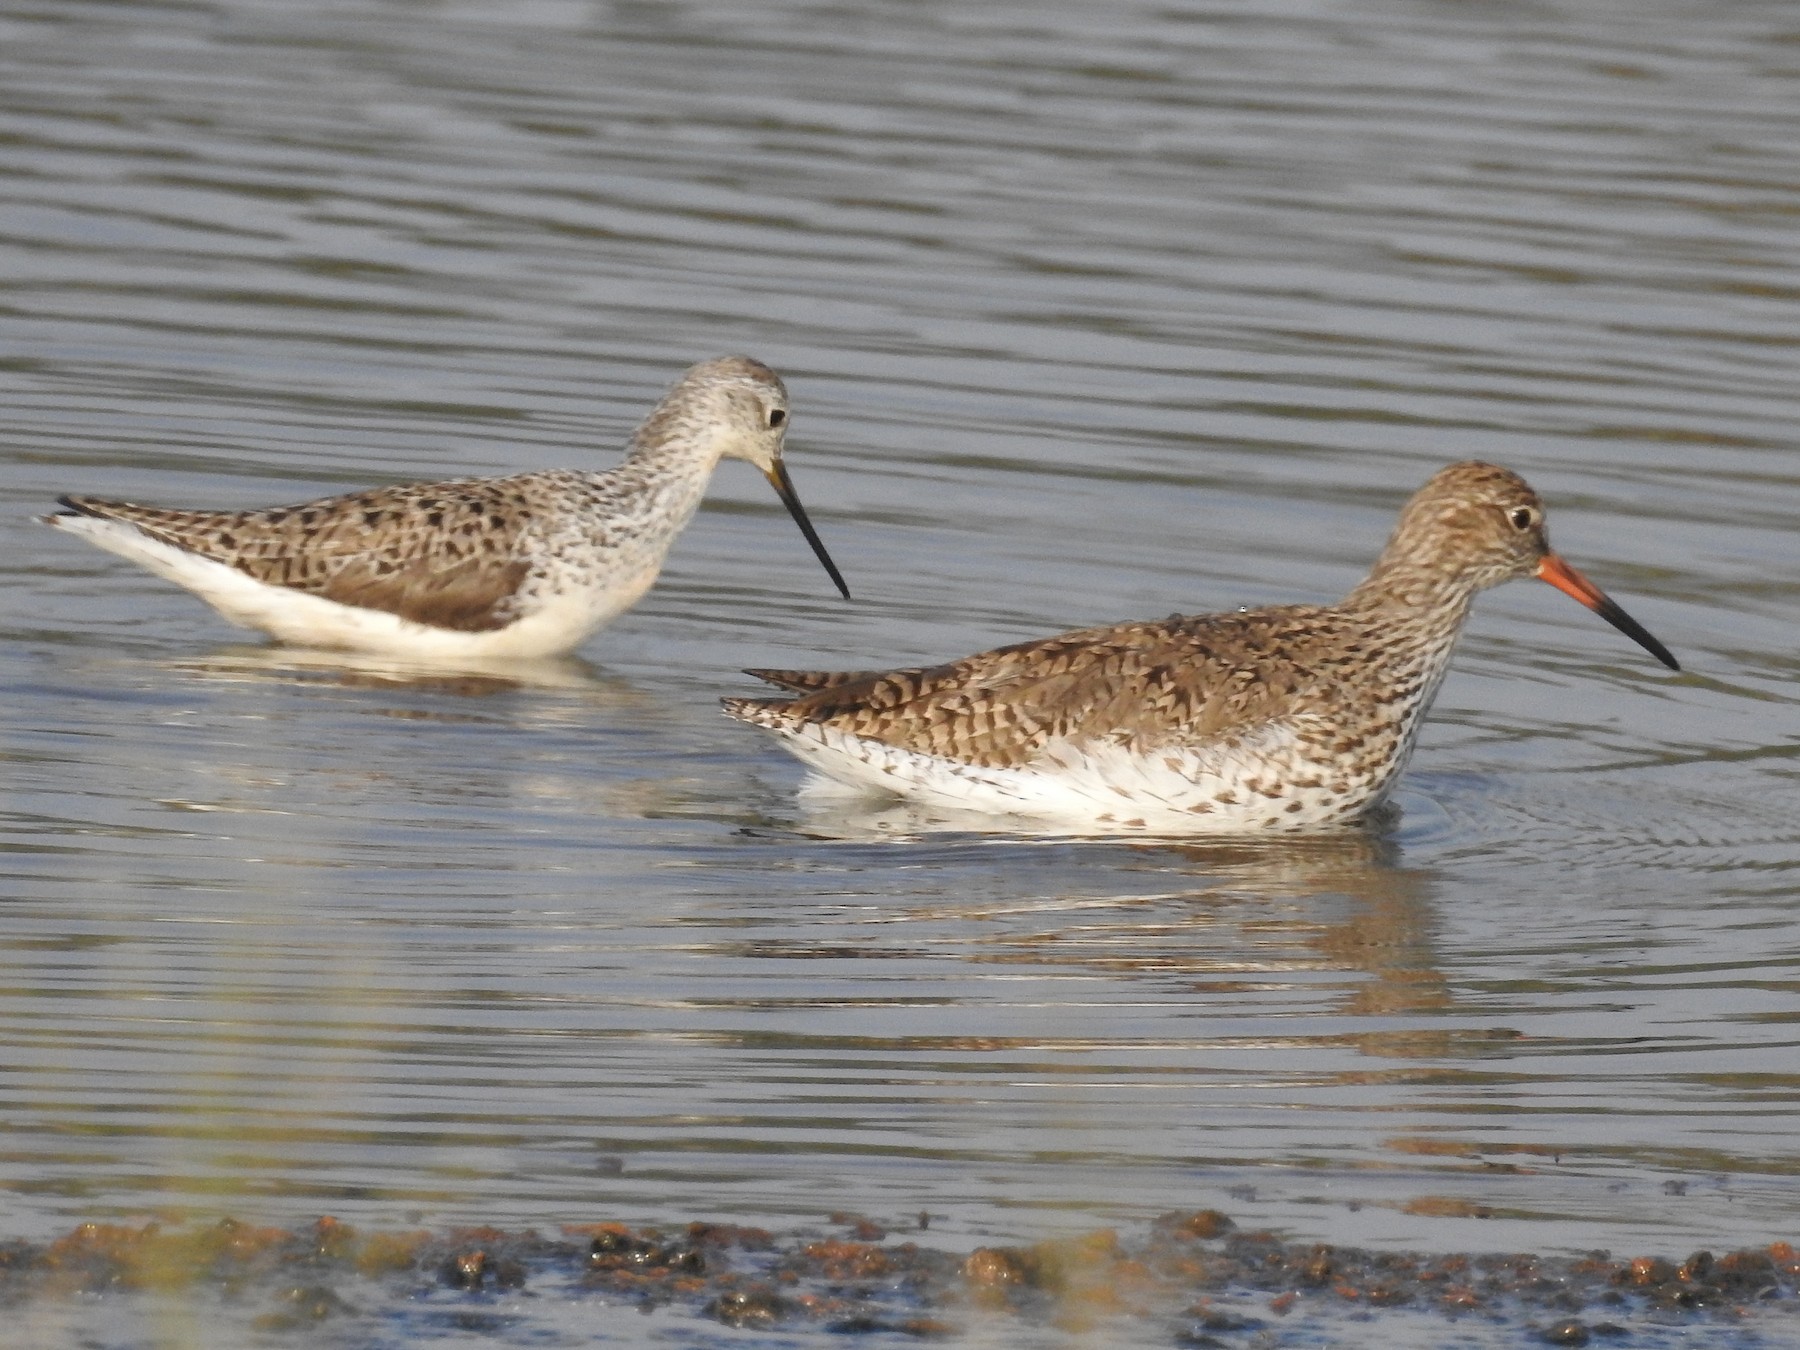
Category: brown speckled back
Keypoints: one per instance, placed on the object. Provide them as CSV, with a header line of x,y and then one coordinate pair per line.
x,y
450,554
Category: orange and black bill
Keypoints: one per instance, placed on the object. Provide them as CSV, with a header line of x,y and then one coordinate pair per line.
x,y
784,488
1570,582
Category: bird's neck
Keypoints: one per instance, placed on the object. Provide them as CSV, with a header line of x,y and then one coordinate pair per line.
x,y
1413,582
1419,610
1405,589
667,474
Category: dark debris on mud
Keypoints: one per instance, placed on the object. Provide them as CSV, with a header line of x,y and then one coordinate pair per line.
x,y
1193,1280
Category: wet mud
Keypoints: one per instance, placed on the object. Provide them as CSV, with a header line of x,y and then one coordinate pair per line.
x,y
1191,1280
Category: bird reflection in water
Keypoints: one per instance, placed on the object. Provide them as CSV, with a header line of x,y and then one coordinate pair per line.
x,y
469,677
584,711
1234,913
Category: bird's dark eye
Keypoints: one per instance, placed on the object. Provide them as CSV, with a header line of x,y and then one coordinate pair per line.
x,y
1522,517
777,416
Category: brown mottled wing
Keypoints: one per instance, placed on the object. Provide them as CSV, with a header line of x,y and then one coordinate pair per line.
x,y
1139,683
805,681
437,553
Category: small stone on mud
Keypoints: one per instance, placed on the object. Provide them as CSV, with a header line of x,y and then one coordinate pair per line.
x,y
307,1305
1566,1333
759,1306
1204,1224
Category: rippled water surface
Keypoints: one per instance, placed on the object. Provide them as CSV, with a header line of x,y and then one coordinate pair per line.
x,y
1088,312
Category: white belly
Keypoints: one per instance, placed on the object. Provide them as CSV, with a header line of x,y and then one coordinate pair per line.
x,y
1243,787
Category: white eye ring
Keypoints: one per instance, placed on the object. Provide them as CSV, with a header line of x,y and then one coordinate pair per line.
x,y
1522,517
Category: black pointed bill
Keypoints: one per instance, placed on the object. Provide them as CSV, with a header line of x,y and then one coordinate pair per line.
x,y
784,488
1570,582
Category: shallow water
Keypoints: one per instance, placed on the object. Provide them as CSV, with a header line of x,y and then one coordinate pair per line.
x,y
1086,315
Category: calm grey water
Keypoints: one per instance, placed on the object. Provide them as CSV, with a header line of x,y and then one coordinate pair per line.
x,y
1088,312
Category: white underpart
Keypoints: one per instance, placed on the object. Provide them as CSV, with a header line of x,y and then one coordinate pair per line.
x,y
1104,785
556,624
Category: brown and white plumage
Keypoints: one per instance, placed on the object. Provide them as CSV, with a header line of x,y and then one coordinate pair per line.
x,y
474,567
1291,717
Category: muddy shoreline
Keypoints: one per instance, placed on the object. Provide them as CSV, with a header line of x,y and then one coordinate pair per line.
x,y
1194,1279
